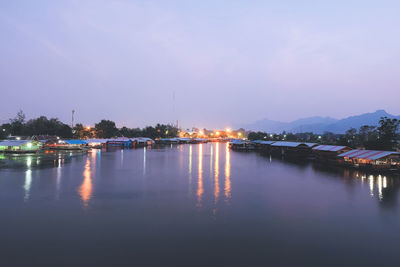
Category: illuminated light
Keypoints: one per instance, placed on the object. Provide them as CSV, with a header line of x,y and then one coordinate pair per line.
x,y
29,145
217,133
88,128
18,138
270,135
319,137
228,130
4,130
239,134
201,132
384,182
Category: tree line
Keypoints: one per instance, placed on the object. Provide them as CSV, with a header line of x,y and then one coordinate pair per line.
x,y
385,136
19,126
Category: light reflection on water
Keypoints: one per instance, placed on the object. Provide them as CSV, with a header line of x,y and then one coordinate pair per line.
x,y
227,173
379,186
86,188
216,176
200,188
236,197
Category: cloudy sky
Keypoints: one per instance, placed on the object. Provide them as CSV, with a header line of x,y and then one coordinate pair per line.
x,y
205,63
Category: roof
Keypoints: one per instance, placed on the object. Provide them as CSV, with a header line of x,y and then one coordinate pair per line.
x,y
368,154
292,144
142,139
330,148
237,142
75,142
15,142
262,142
102,141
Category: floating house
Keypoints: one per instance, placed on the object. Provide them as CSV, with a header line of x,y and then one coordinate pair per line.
x,y
371,159
20,146
329,153
96,143
292,149
241,145
143,141
73,144
121,142
262,145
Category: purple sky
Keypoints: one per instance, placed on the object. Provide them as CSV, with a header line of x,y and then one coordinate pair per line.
x,y
227,62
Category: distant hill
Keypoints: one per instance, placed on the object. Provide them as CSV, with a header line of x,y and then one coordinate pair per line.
x,y
319,124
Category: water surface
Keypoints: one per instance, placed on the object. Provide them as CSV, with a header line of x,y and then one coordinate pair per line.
x,y
193,205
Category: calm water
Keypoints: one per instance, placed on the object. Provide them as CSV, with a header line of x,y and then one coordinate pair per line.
x,y
193,205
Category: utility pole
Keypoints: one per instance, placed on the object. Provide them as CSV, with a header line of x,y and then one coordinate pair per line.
x,y
72,123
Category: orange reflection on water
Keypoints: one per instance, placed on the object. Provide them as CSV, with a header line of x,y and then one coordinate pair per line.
x,y
200,189
86,188
227,187
216,175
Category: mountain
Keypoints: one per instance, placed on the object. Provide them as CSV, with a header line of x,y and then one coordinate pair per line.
x,y
319,124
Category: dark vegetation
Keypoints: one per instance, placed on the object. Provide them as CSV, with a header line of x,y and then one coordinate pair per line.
x,y
382,137
18,126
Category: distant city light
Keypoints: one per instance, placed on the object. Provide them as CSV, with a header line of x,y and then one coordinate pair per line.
x,y
228,130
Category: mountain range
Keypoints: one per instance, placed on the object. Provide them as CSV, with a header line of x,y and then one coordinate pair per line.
x,y
318,124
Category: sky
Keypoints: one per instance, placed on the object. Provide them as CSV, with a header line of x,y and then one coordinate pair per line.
x,y
204,63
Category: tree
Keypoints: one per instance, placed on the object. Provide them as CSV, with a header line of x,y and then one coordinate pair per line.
x,y
257,136
368,137
17,124
387,133
351,136
106,129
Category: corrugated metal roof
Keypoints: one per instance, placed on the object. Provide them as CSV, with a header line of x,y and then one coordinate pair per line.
x,y
75,142
368,154
291,144
262,142
329,148
14,142
237,142
101,141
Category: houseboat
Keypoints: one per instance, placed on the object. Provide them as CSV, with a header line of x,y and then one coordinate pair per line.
x,y
292,149
96,143
371,160
121,143
143,141
74,144
329,153
241,145
20,146
263,145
